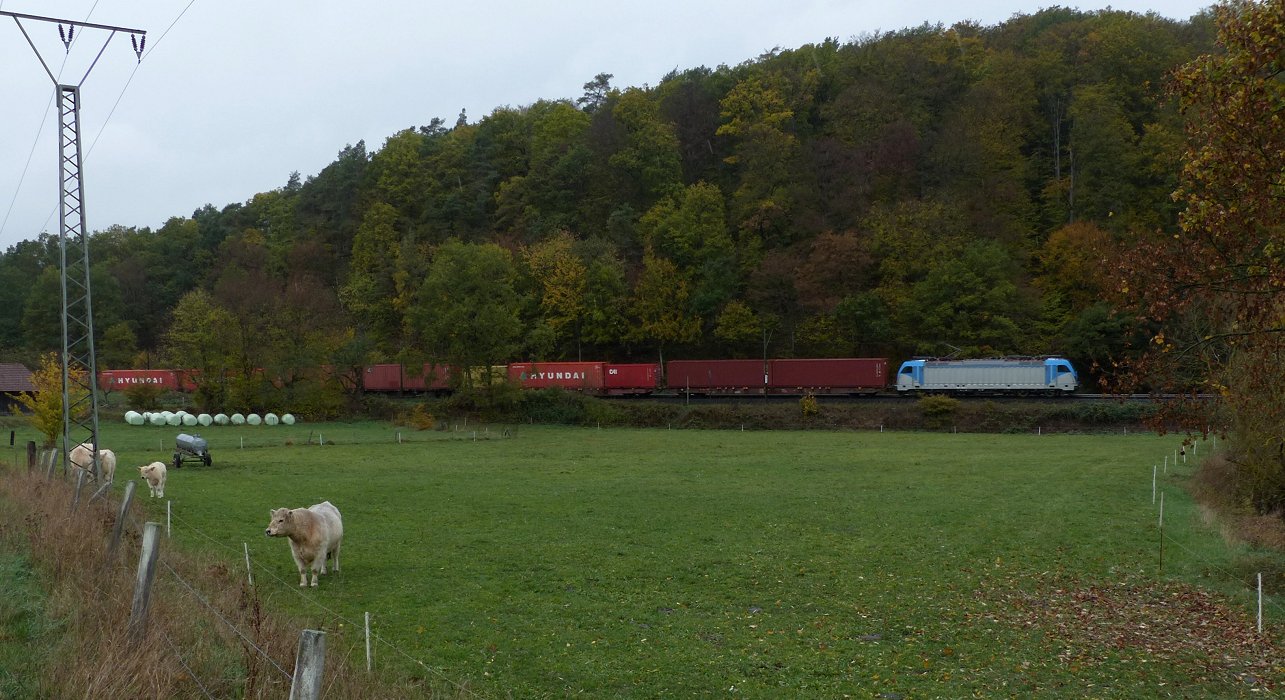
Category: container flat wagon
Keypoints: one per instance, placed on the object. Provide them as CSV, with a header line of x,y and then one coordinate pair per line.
x,y
395,378
716,376
121,379
631,379
844,375
1052,375
573,376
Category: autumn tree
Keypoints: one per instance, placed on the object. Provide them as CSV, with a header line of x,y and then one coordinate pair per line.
x,y
659,306
1215,288
465,313
204,336
44,405
561,280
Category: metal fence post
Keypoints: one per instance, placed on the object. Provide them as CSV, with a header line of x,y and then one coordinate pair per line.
x,y
143,582
308,664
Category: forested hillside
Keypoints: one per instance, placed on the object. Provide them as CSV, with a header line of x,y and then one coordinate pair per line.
x,y
924,191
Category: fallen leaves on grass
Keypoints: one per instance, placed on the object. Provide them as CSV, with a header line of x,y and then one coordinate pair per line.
x,y
1196,632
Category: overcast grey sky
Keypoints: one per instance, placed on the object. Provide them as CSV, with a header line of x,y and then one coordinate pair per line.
x,y
233,96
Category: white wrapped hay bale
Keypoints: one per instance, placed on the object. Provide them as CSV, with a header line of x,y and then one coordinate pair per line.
x,y
238,419
270,419
205,419
156,419
133,418
254,419
189,419
288,419
221,419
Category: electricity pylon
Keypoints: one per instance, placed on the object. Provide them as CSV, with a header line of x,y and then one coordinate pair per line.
x,y
79,369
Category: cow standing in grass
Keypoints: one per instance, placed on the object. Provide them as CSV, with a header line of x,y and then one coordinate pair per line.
x,y
315,533
82,457
154,475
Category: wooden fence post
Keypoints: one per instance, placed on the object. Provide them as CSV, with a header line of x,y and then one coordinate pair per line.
x,y
308,664
143,582
120,519
75,497
31,455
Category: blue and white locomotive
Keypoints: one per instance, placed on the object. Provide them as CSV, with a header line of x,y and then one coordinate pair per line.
x,y
1048,375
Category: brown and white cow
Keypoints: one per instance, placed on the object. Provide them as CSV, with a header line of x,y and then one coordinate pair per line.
x,y
154,475
315,533
81,457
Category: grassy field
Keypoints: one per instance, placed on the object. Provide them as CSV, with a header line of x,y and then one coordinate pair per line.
x,y
650,563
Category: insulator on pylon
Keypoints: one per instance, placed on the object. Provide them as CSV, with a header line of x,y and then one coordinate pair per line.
x,y
133,39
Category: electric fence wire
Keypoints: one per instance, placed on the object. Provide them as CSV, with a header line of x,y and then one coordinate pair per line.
x,y
124,605
197,595
1267,599
190,673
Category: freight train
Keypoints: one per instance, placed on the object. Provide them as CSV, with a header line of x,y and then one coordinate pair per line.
x,y
833,376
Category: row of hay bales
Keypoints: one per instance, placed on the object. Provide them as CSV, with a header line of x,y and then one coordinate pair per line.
x,y
190,419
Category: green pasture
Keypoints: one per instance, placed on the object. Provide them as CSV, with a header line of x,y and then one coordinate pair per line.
x,y
531,561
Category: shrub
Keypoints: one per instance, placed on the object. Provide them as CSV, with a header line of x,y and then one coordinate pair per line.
x,y
418,418
143,397
938,410
809,406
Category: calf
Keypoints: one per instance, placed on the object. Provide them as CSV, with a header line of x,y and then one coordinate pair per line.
x,y
154,475
315,533
81,457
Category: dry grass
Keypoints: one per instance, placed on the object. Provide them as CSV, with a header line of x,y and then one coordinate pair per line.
x,y
1211,486
189,648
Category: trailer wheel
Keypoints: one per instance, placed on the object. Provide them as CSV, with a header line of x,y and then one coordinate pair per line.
x,y
207,460
178,461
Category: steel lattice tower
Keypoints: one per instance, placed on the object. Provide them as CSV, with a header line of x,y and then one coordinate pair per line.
x,y
79,368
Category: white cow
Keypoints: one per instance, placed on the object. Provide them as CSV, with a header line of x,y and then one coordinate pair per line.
x,y
154,475
315,533
81,457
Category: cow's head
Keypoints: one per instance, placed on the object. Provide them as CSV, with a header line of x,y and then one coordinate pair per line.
x,y
279,524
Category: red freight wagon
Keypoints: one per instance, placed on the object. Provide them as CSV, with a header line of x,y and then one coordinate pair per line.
x,y
641,378
121,379
395,378
831,376
578,376
715,376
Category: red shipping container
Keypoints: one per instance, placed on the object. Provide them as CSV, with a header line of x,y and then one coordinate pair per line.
x,y
832,375
730,376
577,376
390,377
121,379
633,378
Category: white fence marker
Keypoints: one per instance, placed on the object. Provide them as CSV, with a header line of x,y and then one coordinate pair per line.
x,y
167,519
1260,602
369,658
1153,483
1162,509
249,573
